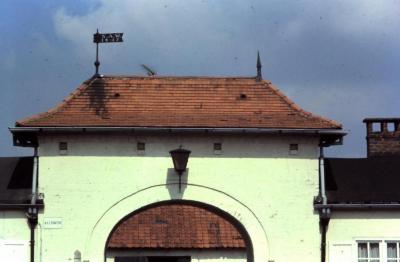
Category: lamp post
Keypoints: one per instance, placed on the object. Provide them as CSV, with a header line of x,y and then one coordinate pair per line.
x,y
180,158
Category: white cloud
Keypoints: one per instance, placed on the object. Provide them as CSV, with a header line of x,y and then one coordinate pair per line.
x,y
73,28
175,27
307,41
174,37
350,18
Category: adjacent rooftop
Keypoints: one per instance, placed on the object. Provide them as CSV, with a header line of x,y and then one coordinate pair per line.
x,y
363,180
15,180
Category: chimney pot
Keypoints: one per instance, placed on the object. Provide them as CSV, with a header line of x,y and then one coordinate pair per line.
x,y
383,142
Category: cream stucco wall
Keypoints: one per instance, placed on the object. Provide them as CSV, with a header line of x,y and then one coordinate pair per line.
x,y
14,236
102,179
347,227
13,226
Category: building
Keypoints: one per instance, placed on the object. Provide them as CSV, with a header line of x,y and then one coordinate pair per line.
x,y
105,187
363,198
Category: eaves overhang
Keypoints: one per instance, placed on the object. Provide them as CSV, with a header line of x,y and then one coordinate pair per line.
x,y
27,136
20,206
358,206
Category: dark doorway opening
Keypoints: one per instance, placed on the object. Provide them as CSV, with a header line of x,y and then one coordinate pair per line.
x,y
168,259
154,259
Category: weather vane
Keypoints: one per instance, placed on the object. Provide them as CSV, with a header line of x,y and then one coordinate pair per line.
x,y
104,38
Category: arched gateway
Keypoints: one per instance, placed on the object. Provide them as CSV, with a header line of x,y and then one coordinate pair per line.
x,y
178,231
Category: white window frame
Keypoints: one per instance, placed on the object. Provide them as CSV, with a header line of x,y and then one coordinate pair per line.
x,y
369,242
397,259
382,242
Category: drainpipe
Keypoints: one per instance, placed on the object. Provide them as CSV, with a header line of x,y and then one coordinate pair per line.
x,y
323,222
324,214
32,213
322,175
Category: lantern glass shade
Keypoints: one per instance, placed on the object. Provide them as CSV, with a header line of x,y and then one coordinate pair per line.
x,y
180,158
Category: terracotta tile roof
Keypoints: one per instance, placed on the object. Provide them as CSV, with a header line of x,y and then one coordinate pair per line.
x,y
176,226
218,102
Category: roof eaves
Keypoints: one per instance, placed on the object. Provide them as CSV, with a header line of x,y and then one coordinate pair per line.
x,y
28,120
308,131
302,112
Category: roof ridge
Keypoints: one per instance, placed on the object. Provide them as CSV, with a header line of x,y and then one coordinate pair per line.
x,y
176,77
57,107
297,107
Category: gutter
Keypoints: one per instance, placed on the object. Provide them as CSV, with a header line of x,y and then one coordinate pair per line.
x,y
27,136
4,206
180,129
382,206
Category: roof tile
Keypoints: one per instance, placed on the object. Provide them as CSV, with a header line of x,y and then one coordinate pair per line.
x,y
219,102
176,226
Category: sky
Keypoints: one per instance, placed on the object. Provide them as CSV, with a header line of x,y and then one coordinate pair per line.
x,y
338,58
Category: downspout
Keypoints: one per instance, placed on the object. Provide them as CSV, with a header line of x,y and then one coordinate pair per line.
x,y
323,222
32,213
322,175
324,214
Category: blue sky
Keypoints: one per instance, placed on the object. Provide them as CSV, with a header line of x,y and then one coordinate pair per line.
x,y
337,58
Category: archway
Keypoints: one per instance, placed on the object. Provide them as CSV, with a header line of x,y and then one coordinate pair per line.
x,y
97,238
178,231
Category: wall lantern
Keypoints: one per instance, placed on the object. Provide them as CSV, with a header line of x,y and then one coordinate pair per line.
x,y
180,158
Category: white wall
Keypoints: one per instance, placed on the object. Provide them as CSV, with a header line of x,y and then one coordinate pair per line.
x,y
102,179
14,236
346,227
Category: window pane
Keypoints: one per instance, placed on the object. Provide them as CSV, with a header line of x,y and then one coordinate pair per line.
x,y
391,250
374,260
362,250
363,260
374,250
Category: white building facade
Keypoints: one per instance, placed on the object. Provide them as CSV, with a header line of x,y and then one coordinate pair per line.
x,y
105,187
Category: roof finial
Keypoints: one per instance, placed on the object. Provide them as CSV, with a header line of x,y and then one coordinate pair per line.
x,y
259,74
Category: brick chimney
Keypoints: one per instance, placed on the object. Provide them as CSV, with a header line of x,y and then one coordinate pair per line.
x,y
383,137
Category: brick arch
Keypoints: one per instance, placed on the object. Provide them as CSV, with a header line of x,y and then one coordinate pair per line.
x,y
179,224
